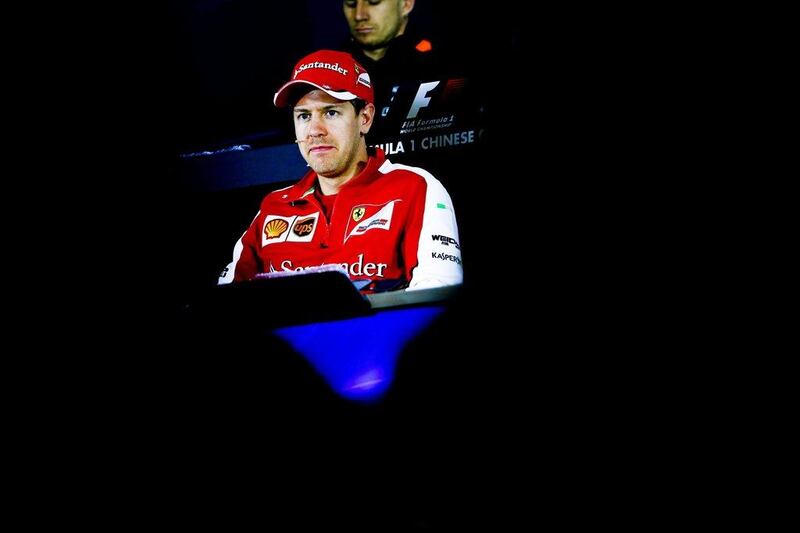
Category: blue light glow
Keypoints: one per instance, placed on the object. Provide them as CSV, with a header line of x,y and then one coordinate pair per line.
x,y
357,356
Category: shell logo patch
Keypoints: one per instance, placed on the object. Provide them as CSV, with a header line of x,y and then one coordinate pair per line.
x,y
275,228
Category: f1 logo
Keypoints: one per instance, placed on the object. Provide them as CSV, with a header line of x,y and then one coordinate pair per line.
x,y
422,99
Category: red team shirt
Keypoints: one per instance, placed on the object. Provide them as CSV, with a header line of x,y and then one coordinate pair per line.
x,y
390,222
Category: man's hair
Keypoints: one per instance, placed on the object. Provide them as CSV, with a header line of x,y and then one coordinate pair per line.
x,y
359,104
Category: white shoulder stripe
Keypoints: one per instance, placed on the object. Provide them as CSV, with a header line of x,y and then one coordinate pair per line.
x,y
436,267
388,166
230,271
283,188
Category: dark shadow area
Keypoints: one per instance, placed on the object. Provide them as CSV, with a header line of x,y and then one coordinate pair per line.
x,y
550,371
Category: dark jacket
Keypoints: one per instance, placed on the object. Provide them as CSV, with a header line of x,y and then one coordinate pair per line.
x,y
405,62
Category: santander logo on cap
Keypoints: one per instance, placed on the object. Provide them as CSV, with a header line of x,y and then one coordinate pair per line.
x,y
336,73
317,64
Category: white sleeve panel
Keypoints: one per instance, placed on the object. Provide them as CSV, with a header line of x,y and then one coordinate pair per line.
x,y
227,274
438,249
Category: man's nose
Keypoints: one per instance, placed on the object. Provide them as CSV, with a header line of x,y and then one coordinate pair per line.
x,y
362,10
316,126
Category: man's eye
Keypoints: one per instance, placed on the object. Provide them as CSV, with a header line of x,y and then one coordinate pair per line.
x,y
303,116
350,3
330,113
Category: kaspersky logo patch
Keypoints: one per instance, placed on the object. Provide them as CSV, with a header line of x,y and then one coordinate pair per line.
x,y
289,229
373,216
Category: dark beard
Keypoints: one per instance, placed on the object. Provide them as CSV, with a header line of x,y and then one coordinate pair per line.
x,y
374,46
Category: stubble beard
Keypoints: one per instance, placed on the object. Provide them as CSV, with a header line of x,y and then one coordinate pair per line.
x,y
330,166
381,41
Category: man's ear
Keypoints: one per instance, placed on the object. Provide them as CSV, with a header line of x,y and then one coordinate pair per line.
x,y
365,117
407,6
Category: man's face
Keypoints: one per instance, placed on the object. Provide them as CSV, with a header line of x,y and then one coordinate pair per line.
x,y
329,131
373,23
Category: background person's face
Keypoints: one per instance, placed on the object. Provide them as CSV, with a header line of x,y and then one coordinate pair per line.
x,y
329,131
373,23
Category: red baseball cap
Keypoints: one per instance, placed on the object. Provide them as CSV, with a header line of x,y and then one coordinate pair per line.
x,y
336,73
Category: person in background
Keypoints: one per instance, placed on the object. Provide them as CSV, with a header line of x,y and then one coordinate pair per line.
x,y
377,24
383,41
389,226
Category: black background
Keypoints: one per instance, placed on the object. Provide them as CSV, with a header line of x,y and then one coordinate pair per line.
x,y
551,371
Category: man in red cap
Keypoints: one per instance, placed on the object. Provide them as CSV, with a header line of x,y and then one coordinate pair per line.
x,y
389,226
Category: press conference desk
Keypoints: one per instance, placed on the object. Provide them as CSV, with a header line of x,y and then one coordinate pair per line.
x,y
352,340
